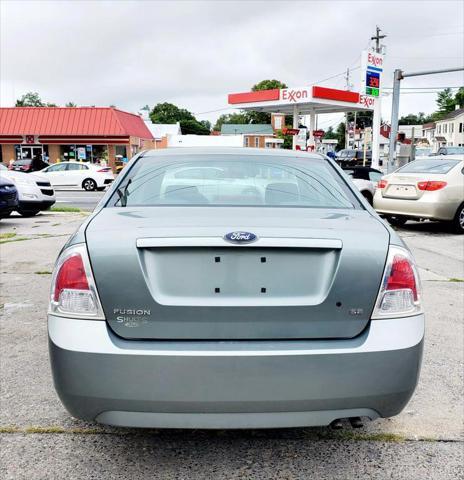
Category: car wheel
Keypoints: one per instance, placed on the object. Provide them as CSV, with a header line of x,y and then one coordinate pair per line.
x,y
368,197
89,185
458,222
28,213
397,221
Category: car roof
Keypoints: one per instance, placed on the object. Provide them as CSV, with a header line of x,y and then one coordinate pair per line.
x,y
235,151
456,156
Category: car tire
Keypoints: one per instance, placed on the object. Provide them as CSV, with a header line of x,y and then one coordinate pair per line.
x,y
28,213
89,185
458,221
368,197
396,221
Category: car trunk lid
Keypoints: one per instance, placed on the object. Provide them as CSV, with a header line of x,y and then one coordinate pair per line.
x,y
168,272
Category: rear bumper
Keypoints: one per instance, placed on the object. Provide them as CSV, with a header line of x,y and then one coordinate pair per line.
x,y
428,206
101,377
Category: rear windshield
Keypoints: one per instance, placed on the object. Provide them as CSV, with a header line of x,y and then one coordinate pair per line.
x,y
233,181
429,166
22,162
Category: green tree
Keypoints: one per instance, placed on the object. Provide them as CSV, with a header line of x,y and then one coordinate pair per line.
x,y
330,134
459,98
288,140
239,118
268,85
341,132
169,113
71,104
263,117
193,127
413,119
445,101
30,99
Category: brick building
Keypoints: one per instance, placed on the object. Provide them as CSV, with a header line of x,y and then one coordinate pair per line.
x,y
55,134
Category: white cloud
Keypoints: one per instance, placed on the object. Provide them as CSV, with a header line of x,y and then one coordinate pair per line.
x,y
130,53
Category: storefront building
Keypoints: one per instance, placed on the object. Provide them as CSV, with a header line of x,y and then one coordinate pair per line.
x,y
88,134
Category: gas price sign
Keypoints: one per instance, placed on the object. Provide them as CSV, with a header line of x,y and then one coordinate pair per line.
x,y
372,68
372,83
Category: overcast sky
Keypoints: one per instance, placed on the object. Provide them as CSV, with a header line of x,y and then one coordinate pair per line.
x,y
192,53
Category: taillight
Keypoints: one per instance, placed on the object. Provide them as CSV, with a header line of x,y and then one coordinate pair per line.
x,y
382,184
431,185
73,291
399,293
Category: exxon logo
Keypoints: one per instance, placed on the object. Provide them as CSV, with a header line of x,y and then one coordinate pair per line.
x,y
240,237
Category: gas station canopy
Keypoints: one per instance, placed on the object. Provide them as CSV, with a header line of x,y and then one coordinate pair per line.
x,y
303,101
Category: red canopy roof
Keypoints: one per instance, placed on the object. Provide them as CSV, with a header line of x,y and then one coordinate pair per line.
x,y
102,121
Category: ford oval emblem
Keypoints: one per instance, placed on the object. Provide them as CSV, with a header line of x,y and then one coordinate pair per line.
x,y
240,237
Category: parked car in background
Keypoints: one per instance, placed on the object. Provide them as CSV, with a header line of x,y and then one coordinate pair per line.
x,y
28,165
34,191
8,197
450,151
79,175
422,152
365,179
197,305
429,188
350,157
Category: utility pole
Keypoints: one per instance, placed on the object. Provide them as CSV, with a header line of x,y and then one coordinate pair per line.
x,y
397,77
348,86
377,114
377,37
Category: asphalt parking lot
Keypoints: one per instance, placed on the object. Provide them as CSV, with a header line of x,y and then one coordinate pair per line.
x,y
40,440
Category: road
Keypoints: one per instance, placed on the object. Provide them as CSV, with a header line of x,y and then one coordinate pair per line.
x,y
41,440
78,198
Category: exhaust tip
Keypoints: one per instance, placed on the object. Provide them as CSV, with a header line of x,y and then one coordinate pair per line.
x,y
356,422
337,424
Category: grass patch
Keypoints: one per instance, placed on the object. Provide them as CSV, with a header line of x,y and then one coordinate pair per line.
x,y
43,272
5,236
56,208
459,280
61,430
15,239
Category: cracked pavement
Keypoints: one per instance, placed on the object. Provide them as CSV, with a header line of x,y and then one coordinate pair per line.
x,y
40,440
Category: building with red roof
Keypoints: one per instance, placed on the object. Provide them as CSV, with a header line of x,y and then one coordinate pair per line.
x,y
55,134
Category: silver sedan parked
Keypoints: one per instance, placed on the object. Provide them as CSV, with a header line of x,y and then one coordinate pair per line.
x,y
273,296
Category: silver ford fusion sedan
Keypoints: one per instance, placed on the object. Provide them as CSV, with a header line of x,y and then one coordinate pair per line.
x,y
234,288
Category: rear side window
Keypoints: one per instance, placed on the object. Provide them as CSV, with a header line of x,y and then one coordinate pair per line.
x,y
429,166
229,180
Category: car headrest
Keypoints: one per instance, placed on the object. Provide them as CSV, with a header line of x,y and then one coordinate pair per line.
x,y
282,192
184,193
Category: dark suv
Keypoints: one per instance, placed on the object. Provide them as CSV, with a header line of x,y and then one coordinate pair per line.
x,y
350,157
8,197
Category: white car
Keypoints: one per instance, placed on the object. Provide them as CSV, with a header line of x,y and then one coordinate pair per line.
x,y
34,191
78,174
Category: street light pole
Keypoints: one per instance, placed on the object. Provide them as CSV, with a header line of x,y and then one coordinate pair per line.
x,y
397,77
